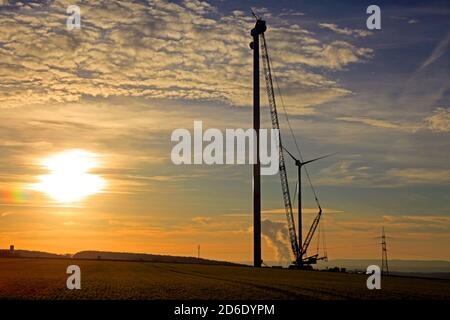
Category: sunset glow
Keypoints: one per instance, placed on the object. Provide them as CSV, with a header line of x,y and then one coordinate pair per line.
x,y
87,117
69,180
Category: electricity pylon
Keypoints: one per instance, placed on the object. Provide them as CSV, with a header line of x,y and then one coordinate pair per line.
x,y
384,259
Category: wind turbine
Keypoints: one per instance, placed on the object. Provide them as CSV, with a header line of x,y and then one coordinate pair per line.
x,y
299,165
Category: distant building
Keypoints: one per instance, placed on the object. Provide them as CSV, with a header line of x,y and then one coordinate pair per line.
x,y
5,253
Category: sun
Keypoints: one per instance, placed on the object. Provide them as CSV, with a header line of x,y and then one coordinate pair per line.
x,y
69,179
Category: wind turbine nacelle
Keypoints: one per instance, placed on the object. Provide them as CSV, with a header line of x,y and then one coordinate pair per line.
x,y
260,27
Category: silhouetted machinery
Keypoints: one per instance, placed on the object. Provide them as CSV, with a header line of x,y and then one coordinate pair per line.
x,y
299,248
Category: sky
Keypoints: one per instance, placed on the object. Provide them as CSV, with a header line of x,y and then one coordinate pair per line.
x,y
137,70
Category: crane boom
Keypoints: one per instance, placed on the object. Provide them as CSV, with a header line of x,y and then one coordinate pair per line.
x,y
282,166
312,230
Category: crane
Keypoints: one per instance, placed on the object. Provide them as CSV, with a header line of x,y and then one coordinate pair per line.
x,y
298,249
282,166
309,236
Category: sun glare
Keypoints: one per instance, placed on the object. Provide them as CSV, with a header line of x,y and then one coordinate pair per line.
x,y
69,179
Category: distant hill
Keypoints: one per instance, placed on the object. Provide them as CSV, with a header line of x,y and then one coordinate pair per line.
x,y
38,254
103,255
410,266
416,268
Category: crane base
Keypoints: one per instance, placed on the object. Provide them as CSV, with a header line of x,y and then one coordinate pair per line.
x,y
302,267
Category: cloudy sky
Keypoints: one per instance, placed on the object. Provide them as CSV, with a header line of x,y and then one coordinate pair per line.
x,y
137,70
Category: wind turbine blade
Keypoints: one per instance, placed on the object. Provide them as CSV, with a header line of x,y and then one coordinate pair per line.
x,y
323,157
254,14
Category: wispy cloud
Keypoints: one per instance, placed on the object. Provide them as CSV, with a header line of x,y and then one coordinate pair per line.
x,y
438,51
420,175
439,121
424,224
304,210
345,31
159,49
378,123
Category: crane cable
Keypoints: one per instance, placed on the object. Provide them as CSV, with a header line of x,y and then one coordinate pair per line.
x,y
292,132
318,239
324,244
295,195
